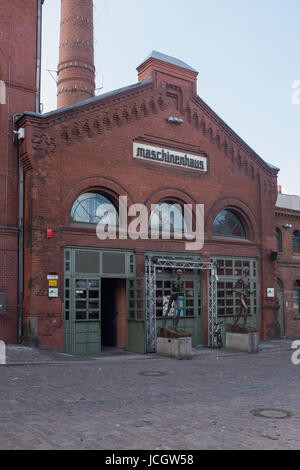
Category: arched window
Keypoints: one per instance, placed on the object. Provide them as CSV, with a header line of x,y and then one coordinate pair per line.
x,y
167,217
92,208
296,298
229,223
296,241
278,240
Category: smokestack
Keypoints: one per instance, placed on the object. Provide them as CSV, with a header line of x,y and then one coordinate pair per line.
x,y
76,70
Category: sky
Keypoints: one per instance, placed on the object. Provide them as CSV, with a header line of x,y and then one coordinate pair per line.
x,y
246,52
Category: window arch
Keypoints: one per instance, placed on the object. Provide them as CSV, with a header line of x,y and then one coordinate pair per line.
x,y
229,223
94,208
296,241
279,285
296,298
278,240
167,216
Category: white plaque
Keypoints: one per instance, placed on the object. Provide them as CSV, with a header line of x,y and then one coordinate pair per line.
x,y
53,292
271,292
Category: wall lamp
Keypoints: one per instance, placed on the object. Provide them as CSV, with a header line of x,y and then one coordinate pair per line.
x,y
175,120
287,226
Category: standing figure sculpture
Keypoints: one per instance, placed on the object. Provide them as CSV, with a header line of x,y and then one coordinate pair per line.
x,y
242,287
177,288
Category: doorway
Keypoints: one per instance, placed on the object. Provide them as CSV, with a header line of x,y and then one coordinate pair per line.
x,y
113,312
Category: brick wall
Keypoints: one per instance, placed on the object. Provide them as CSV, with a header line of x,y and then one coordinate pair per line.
x,y
18,72
91,147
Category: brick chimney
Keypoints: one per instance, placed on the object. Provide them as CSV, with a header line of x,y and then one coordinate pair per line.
x,y
76,70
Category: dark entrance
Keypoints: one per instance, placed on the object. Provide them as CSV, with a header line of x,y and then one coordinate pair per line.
x,y
109,312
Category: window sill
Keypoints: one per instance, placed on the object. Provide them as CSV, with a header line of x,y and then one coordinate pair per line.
x,y
230,240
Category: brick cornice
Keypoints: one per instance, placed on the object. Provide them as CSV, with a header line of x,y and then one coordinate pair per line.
x,y
85,108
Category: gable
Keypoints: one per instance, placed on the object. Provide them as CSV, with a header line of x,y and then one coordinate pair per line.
x,y
143,101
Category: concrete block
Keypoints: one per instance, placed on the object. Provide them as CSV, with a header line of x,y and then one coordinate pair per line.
x,y
244,342
2,352
178,348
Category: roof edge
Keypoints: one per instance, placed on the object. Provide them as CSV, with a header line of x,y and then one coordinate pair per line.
x,y
95,99
242,141
167,59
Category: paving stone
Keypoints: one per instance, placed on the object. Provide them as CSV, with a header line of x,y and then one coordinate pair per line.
x,y
205,403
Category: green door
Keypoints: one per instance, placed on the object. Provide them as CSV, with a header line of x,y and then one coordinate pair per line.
x,y
85,318
135,316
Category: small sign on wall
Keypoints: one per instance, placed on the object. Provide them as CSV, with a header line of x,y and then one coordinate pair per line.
x,y
270,292
53,292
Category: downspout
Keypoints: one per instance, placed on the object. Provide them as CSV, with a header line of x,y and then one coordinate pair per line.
x,y
21,176
20,227
21,245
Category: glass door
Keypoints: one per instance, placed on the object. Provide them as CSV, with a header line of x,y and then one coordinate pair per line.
x,y
86,315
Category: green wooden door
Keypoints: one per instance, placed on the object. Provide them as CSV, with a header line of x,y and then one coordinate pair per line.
x,y
85,318
135,316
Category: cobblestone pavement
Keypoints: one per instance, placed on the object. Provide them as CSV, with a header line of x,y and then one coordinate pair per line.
x,y
125,401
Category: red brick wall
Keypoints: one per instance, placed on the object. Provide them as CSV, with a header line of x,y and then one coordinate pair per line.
x,y
91,148
18,71
288,267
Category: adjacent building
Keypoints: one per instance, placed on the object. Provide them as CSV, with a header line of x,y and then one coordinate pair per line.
x,y
20,58
287,213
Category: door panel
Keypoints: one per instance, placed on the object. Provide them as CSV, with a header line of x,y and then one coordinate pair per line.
x,y
229,270
85,320
191,317
135,316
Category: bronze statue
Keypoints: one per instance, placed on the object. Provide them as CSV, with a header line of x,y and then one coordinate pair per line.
x,y
242,287
177,289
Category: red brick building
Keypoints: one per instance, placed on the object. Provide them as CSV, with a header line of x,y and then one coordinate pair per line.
x,y
20,27
156,143
287,213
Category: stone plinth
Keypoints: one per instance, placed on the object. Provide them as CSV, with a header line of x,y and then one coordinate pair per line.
x,y
178,348
243,342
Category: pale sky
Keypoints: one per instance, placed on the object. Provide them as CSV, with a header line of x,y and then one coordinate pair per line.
x,y
246,53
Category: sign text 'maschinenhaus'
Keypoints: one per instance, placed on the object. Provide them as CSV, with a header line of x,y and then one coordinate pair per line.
x,y
169,157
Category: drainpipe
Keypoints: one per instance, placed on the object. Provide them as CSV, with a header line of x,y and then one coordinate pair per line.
x,y
21,246
20,227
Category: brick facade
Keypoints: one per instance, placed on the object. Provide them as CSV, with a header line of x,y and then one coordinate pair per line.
x,y
18,44
90,147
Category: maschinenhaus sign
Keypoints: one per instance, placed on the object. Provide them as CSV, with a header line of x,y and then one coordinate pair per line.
x,y
169,157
